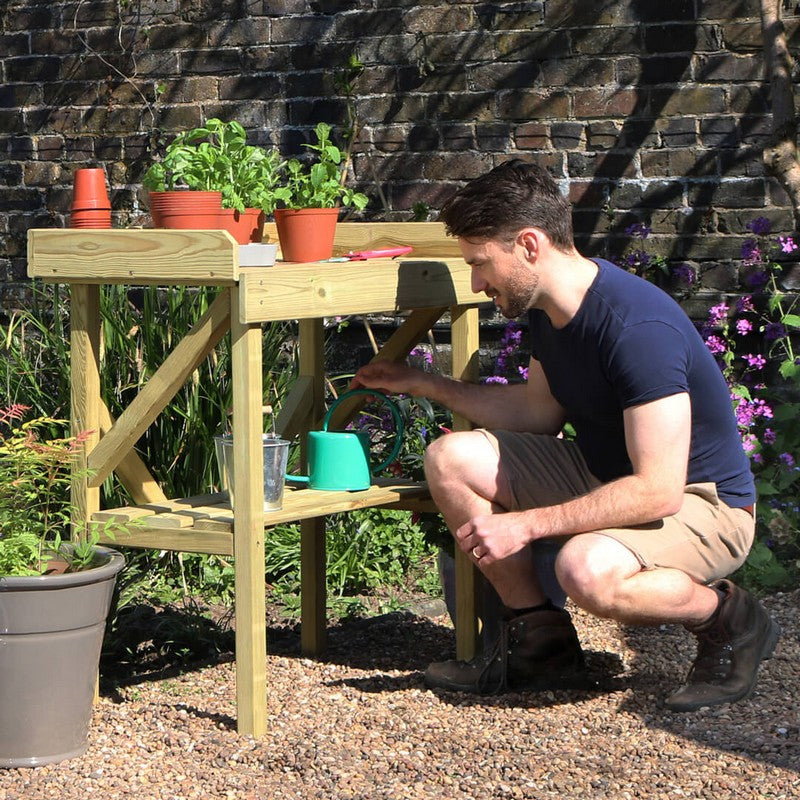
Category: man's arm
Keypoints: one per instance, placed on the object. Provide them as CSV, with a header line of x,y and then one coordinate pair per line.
x,y
657,436
518,407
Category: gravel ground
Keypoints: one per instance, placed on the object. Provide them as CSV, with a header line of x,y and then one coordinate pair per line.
x,y
359,724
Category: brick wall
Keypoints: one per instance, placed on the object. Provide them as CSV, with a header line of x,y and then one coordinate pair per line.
x,y
641,109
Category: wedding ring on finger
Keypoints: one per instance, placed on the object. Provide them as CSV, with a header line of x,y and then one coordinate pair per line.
x,y
475,553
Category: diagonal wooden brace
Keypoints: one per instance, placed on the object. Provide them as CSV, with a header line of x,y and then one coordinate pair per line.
x,y
132,471
160,389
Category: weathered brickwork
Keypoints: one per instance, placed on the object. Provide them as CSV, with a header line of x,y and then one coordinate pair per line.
x,y
642,110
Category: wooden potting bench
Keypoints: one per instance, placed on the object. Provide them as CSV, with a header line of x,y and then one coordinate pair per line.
x,y
432,281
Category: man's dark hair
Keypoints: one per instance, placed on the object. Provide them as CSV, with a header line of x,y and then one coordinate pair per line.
x,y
512,196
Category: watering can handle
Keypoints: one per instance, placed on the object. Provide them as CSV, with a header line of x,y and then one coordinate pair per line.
x,y
398,421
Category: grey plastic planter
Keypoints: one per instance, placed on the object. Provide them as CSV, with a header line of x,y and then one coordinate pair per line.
x,y
51,632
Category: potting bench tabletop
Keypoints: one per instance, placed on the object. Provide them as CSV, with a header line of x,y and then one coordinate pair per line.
x,y
431,282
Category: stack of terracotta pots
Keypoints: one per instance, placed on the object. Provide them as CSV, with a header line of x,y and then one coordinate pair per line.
x,y
91,207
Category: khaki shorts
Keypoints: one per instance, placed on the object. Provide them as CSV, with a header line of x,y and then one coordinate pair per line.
x,y
706,539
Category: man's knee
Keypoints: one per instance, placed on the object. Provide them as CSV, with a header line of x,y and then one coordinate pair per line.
x,y
450,455
591,569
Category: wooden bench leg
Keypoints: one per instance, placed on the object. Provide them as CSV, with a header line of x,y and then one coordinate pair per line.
x,y
465,338
313,589
248,526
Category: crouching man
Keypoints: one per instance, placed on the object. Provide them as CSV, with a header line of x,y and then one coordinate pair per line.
x,y
651,504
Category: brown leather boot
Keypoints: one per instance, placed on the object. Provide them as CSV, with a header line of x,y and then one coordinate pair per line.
x,y
535,651
729,652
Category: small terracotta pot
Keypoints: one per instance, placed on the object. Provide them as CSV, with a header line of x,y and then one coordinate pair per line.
x,y
306,234
186,209
90,218
246,228
89,189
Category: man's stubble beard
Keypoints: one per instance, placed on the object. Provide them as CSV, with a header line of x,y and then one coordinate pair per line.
x,y
520,292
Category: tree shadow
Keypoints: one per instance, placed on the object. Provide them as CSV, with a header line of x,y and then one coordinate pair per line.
x,y
401,645
395,641
602,677
145,643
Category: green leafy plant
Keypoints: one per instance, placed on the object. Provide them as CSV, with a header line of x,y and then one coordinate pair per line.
x,y
367,550
319,183
216,157
35,471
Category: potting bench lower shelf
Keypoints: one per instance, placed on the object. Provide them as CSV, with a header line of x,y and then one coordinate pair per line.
x,y
204,524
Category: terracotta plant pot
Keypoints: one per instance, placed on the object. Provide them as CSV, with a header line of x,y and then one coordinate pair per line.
x,y
306,234
90,207
186,209
90,218
89,189
246,228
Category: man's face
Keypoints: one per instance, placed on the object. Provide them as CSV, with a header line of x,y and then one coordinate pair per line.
x,y
501,273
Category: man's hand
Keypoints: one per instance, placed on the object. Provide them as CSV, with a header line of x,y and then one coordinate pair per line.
x,y
493,537
391,377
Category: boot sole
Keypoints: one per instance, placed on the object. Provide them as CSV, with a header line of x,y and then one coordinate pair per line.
x,y
767,649
578,680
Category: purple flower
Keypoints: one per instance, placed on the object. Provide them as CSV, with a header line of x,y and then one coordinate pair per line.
x,y
748,412
787,244
749,442
787,459
637,258
495,379
684,273
751,253
760,226
422,353
756,361
769,436
638,229
523,371
745,304
773,331
718,313
756,279
512,335
716,344
743,326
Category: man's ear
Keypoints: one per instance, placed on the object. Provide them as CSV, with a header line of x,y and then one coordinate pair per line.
x,y
529,241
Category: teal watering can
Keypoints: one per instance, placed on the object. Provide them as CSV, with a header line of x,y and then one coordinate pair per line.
x,y
340,460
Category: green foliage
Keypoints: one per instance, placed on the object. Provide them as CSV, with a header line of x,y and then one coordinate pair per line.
x,y
420,211
141,326
366,549
35,474
216,157
34,353
140,330
319,183
21,553
762,570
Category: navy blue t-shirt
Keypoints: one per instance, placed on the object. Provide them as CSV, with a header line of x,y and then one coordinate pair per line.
x,y
631,343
